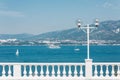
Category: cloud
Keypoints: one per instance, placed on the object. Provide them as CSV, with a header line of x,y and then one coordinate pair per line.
x,y
111,5
108,5
11,13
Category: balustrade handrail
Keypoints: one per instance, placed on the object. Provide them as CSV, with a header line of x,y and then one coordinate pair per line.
x,y
65,63
106,63
59,63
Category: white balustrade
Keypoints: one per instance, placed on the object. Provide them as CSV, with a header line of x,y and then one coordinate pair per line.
x,y
64,72
30,70
107,70
69,72
95,71
88,68
118,70
9,70
53,71
24,72
3,70
75,71
101,70
36,71
47,70
59,71
81,70
42,72
113,71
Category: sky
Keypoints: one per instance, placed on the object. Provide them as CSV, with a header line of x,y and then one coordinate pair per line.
x,y
40,16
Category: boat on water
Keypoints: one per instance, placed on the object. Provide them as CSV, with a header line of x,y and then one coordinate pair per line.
x,y
17,52
76,49
53,46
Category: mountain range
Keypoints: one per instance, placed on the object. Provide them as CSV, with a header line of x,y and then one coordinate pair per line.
x,y
107,30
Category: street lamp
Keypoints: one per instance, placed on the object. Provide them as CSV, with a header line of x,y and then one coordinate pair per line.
x,y
88,28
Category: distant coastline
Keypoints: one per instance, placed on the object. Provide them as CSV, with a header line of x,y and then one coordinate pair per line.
x,y
15,42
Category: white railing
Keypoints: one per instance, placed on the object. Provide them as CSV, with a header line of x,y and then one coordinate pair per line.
x,y
33,71
60,71
106,70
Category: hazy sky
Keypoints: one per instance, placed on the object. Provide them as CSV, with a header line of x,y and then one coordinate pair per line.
x,y
39,16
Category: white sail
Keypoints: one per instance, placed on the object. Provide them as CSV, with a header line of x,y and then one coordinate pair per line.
x,y
17,52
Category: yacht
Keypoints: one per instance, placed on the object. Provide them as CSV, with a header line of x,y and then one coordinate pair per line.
x,y
76,49
52,46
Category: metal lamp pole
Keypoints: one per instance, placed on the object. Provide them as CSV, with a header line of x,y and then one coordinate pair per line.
x,y
88,28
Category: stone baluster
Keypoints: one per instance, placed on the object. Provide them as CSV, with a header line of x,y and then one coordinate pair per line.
x,y
42,72
101,70
95,72
58,72
64,72
24,72
53,71
70,72
47,70
113,71
3,71
30,70
36,72
107,71
81,71
9,70
75,71
118,74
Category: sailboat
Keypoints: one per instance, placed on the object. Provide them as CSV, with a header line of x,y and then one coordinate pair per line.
x,y
76,48
17,52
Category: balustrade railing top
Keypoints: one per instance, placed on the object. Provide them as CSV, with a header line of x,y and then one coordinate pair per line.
x,y
60,71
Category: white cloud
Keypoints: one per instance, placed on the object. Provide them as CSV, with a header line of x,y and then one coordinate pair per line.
x,y
111,5
108,5
11,13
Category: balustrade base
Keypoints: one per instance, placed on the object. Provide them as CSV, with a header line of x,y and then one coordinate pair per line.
x,y
58,78
41,78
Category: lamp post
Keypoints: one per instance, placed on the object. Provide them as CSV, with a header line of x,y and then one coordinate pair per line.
x,y
88,28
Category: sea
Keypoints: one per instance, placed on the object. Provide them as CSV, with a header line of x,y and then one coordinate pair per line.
x,y
106,53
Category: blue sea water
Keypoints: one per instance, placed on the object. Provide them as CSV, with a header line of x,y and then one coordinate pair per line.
x,y
64,54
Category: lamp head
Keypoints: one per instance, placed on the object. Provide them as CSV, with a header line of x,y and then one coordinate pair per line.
x,y
96,22
79,24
